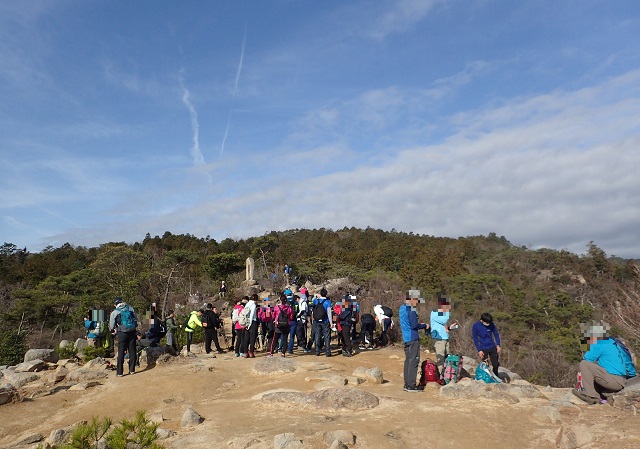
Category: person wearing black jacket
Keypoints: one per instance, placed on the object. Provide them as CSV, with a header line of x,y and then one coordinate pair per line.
x,y
347,318
211,323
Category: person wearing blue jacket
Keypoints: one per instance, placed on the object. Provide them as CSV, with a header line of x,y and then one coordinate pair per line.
x,y
605,367
440,328
410,327
487,340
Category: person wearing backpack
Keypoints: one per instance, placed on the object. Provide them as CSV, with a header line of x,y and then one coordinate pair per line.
x,y
123,321
265,315
410,327
292,302
283,315
237,325
487,340
383,316
322,318
192,321
605,367
367,328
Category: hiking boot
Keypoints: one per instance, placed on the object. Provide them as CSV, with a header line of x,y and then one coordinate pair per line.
x,y
283,354
220,351
251,355
329,355
317,354
119,375
246,356
582,395
361,347
412,389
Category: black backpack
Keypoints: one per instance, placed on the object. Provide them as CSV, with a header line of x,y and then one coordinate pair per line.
x,y
319,310
283,318
185,325
387,311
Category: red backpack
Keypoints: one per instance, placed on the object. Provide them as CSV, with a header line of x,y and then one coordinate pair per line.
x,y
429,373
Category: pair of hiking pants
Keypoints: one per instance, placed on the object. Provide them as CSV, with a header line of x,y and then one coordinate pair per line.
x,y
411,362
126,342
596,379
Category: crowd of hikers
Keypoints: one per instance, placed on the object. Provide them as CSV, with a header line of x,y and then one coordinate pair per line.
x,y
298,322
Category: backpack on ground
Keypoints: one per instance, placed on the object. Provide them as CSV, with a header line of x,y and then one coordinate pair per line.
x,y
283,318
484,373
429,373
387,311
243,317
625,356
127,320
319,310
452,368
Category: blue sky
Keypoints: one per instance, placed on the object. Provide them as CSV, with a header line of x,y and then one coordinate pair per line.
x,y
234,118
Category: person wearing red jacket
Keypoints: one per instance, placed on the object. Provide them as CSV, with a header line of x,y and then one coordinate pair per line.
x,y
283,314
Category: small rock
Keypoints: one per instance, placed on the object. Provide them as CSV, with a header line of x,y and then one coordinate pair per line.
x,y
97,363
7,394
394,357
30,366
337,444
373,375
156,418
344,436
287,441
84,385
191,418
163,434
59,436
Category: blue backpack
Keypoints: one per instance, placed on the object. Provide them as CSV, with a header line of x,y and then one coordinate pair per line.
x,y
625,356
484,373
128,320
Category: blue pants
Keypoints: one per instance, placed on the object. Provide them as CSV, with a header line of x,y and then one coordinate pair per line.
x,y
292,334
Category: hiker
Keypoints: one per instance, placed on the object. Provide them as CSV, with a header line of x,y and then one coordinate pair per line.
x,y
123,321
336,325
292,301
347,320
605,367
223,289
251,331
410,326
172,327
356,319
367,328
233,323
190,325
301,318
211,323
93,331
239,328
440,328
385,322
487,340
283,315
322,319
265,315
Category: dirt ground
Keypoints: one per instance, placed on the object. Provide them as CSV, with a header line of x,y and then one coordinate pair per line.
x,y
224,391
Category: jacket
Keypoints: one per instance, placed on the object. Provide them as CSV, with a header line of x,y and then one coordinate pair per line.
x,y
234,316
194,321
171,325
483,336
439,321
283,308
607,355
409,324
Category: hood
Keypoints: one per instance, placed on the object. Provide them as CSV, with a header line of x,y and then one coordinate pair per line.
x,y
121,306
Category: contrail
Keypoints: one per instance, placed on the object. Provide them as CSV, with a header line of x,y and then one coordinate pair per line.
x,y
196,154
235,89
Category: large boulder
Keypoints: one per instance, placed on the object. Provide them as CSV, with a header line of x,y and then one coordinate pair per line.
x,y
85,374
472,389
46,355
18,380
80,344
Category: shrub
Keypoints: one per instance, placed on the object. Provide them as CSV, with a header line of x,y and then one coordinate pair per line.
x,y
12,346
67,352
91,352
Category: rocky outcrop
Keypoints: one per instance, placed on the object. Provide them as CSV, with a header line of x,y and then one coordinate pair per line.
x,y
329,399
471,389
274,366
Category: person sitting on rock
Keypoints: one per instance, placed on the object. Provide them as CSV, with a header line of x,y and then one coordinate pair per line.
x,y
605,367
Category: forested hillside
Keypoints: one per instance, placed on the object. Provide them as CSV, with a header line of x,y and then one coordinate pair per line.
x,y
537,297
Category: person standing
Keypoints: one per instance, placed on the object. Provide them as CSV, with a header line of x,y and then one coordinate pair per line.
x,y
93,331
440,331
410,326
172,327
265,314
322,319
367,329
192,323
210,323
251,331
239,328
487,340
346,320
123,321
283,316
301,317
223,289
